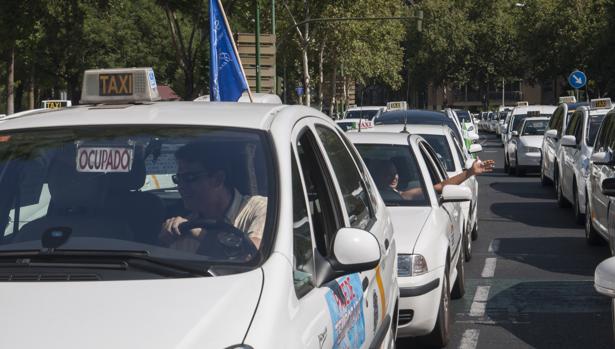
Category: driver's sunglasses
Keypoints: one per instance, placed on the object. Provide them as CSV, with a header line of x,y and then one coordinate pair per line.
x,y
188,177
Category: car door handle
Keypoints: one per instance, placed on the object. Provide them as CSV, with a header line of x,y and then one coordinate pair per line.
x,y
386,244
365,283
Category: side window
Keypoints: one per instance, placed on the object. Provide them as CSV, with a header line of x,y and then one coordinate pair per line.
x,y
557,114
303,251
599,145
573,124
371,190
349,179
462,156
322,200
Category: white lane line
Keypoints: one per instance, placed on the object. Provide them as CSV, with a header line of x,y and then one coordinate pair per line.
x,y
489,269
494,246
479,304
490,151
469,339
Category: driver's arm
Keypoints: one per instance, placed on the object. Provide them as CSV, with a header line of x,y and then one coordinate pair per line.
x,y
478,167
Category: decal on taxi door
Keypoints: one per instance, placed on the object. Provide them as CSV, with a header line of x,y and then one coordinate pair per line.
x,y
344,300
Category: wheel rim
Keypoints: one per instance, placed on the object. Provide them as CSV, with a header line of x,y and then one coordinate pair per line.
x,y
445,302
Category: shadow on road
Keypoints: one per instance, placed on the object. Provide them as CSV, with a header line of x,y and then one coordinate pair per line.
x,y
557,314
538,214
546,253
531,190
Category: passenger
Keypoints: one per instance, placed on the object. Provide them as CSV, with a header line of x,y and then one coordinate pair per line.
x,y
203,185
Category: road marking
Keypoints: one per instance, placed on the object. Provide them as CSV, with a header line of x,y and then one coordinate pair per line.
x,y
494,246
479,304
469,339
490,151
489,269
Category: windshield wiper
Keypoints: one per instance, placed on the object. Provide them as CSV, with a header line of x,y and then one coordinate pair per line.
x,y
105,259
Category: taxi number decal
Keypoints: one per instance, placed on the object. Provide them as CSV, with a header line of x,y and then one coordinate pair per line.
x,y
533,113
601,104
115,84
98,159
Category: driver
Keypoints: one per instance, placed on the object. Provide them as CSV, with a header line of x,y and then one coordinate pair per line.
x,y
202,183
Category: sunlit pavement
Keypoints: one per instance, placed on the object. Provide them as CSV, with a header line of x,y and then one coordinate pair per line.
x,y
530,281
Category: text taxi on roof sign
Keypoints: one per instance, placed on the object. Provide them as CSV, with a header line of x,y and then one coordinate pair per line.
x,y
223,225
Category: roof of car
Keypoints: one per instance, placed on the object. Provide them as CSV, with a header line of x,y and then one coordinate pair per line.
x,y
247,115
378,138
371,107
547,109
538,118
413,129
419,115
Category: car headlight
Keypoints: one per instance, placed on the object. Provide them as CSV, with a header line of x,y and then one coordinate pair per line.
x,y
532,150
411,265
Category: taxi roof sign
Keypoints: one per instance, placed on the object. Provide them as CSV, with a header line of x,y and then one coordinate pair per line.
x,y
601,103
567,99
523,104
56,103
401,105
122,85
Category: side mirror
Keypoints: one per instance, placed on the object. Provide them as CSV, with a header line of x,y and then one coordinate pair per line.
x,y
608,187
355,250
515,133
455,193
473,136
569,141
604,277
551,133
601,158
475,148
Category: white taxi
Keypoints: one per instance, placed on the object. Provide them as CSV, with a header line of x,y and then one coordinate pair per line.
x,y
270,234
524,147
428,228
515,120
576,148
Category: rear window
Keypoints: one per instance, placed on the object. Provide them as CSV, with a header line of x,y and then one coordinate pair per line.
x,y
518,120
396,173
463,116
593,125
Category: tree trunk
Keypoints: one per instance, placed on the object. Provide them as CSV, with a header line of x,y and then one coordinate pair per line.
x,y
332,108
189,81
31,90
321,75
10,83
306,74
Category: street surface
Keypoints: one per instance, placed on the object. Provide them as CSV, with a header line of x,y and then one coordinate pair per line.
x,y
530,281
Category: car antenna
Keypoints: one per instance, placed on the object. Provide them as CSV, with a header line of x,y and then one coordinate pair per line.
x,y
405,130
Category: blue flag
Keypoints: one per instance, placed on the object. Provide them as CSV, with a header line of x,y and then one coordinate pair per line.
x,y
226,78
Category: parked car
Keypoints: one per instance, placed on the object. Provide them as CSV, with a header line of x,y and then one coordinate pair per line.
x,y
299,250
524,146
428,229
576,148
514,123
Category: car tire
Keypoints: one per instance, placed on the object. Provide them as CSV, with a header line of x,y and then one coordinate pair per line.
x,y
467,246
578,216
518,170
510,168
591,236
440,335
561,200
506,166
544,180
459,288
475,231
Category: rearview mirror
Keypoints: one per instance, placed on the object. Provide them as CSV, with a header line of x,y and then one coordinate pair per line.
x,y
569,141
473,136
475,148
608,187
455,193
515,133
604,277
601,158
355,250
551,133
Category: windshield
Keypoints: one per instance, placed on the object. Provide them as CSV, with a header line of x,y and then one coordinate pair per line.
x,y
463,116
592,128
361,114
439,143
518,120
535,127
396,173
116,188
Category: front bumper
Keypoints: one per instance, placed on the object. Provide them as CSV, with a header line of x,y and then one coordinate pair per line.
x,y
421,296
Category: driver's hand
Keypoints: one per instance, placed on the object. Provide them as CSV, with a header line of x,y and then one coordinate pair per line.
x,y
170,230
480,167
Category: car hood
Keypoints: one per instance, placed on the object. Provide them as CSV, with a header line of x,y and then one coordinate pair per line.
x,y
408,223
204,312
532,141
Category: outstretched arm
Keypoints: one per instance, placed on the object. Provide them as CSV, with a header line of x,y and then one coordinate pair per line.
x,y
478,167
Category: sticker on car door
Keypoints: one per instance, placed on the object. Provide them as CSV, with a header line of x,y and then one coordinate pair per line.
x,y
344,300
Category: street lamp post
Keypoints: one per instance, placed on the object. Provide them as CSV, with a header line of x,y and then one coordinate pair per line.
x,y
258,44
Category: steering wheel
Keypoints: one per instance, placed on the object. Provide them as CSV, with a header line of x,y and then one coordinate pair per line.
x,y
221,240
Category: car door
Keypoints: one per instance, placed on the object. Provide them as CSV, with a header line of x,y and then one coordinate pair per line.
x,y
568,154
358,212
437,174
599,172
549,143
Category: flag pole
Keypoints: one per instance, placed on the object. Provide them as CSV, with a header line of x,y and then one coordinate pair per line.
x,y
228,27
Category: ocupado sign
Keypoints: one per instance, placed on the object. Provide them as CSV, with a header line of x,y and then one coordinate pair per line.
x,y
104,159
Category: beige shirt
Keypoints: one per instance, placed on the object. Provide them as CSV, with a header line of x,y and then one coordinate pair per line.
x,y
246,213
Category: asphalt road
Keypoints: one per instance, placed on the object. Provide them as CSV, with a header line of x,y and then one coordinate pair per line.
x,y
530,281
